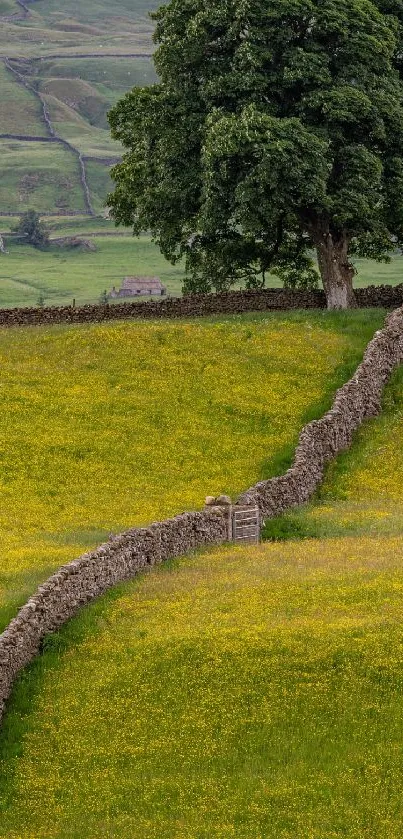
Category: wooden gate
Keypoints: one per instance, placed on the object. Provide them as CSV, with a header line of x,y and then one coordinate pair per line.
x,y
246,524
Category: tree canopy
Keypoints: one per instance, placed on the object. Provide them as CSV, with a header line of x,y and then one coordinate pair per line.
x,y
276,127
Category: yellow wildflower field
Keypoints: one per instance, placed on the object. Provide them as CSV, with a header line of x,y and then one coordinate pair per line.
x,y
252,693
104,427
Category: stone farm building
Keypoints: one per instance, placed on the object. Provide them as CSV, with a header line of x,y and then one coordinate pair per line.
x,y
135,286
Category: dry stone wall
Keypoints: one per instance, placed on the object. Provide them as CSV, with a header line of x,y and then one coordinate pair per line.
x,y
322,440
124,556
79,582
198,305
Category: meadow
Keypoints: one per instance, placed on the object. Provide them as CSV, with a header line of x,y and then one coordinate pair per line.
x,y
109,426
253,693
62,275
19,109
248,693
79,27
132,721
80,92
77,103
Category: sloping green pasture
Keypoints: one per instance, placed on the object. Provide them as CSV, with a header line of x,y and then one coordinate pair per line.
x,y
7,7
20,111
78,91
87,137
78,94
106,74
38,175
76,26
100,184
242,693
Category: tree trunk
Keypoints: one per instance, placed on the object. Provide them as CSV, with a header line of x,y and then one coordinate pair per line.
x,y
336,270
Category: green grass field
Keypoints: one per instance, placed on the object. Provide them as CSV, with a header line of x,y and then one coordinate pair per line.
x,y
7,7
249,693
20,110
39,175
62,275
84,135
362,493
106,75
70,225
243,693
235,694
79,27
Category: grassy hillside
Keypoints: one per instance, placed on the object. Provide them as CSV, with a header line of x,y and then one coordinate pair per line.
x,y
77,26
106,74
20,110
240,693
77,59
38,175
66,56
86,137
7,7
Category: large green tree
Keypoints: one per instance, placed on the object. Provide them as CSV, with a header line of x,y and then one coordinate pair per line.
x,y
276,128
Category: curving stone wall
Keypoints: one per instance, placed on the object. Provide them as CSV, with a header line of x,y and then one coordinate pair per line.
x,y
79,582
322,440
198,305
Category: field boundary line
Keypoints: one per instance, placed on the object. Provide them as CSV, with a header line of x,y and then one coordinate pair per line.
x,y
52,135
123,557
18,15
56,57
195,305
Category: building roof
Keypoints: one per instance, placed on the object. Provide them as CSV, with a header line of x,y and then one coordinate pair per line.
x,y
141,282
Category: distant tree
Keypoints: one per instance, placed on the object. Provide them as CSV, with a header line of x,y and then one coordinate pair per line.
x,y
104,297
276,129
33,230
41,300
